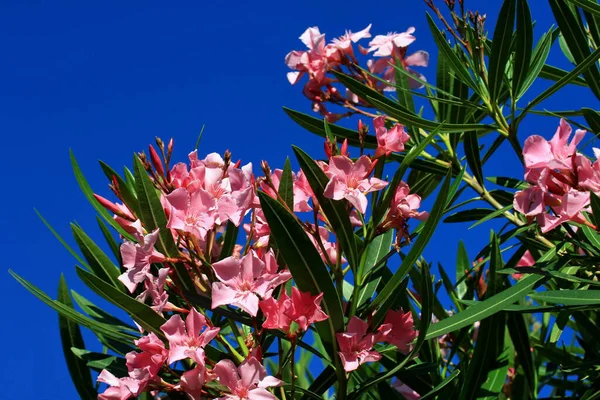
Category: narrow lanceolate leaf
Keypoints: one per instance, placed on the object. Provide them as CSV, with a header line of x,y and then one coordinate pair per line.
x,y
315,125
443,46
399,112
592,117
110,240
306,266
71,314
492,215
153,216
146,317
431,394
99,314
484,308
471,146
152,213
595,203
538,60
501,44
70,336
415,252
523,46
576,39
336,211
286,184
474,214
99,262
588,5
229,239
89,194
508,182
62,241
463,266
519,334
568,297
129,196
489,363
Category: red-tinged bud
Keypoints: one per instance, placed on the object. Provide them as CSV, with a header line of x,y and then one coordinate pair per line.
x,y
160,144
170,148
329,149
110,206
156,161
344,150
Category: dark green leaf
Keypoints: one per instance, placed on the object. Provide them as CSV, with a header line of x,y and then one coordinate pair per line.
x,y
568,297
70,336
471,146
141,313
335,210
286,184
474,214
523,45
229,239
110,240
592,117
508,182
501,44
129,197
538,60
315,125
99,262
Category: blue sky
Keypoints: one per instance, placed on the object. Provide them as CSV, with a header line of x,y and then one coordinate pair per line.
x,y
105,79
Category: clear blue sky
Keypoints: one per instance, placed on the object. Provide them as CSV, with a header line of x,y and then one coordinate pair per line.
x,y
105,79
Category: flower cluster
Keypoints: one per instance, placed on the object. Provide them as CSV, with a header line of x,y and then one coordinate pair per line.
x,y
561,179
204,199
321,58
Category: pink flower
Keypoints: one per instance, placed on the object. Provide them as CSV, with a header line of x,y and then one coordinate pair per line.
x,y
350,181
571,205
246,382
191,213
155,289
144,366
344,43
192,381
137,258
243,280
260,230
275,312
188,341
554,154
301,195
119,388
405,391
530,201
305,309
398,329
302,308
389,141
356,345
384,45
330,254
403,207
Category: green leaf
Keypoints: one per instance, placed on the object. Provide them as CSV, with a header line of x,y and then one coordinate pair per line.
x,y
495,214
70,336
146,317
415,252
99,262
519,334
473,214
554,74
229,239
62,241
523,45
501,44
99,361
336,211
568,297
595,203
576,39
441,386
153,216
73,315
286,184
377,249
306,266
538,60
399,112
589,6
89,194
315,125
471,146
100,315
110,240
446,51
508,182
129,197
592,117
485,308
462,266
